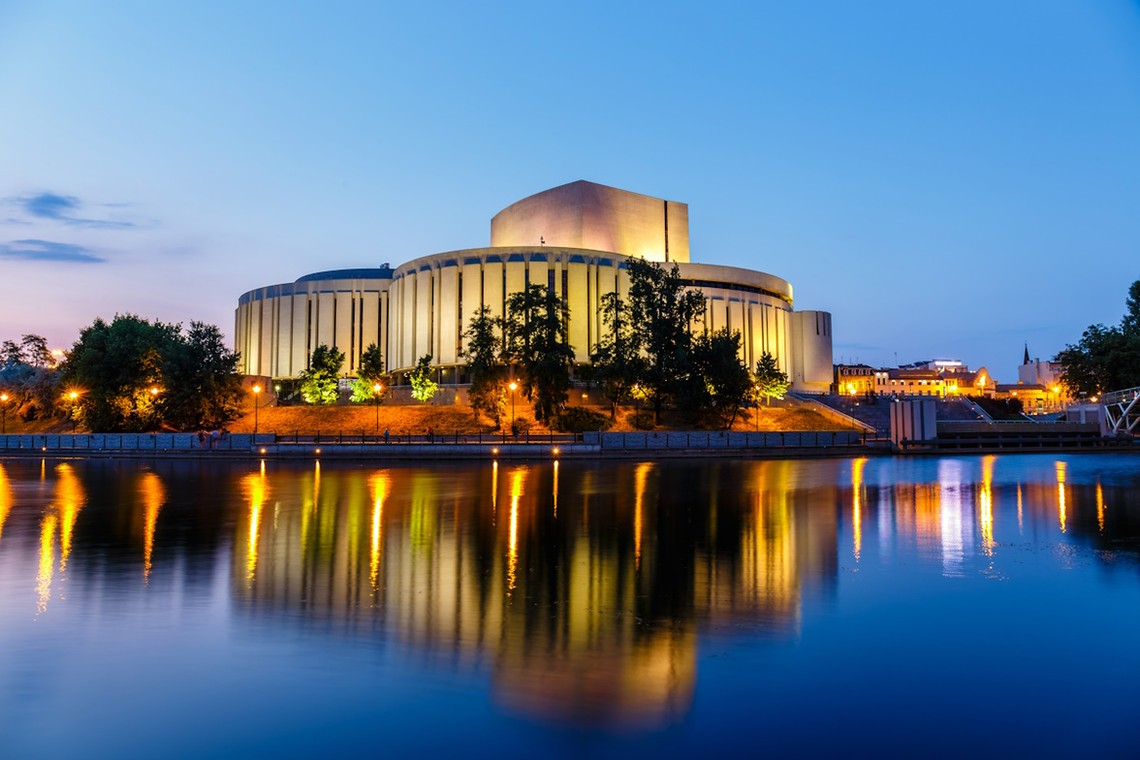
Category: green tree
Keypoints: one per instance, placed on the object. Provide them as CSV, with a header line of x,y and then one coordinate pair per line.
x,y
535,330
33,392
771,382
369,374
719,382
423,387
616,365
483,349
113,367
201,386
663,309
11,353
319,381
1105,358
134,375
36,352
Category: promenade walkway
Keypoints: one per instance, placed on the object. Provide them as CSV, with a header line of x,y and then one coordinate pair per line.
x,y
437,447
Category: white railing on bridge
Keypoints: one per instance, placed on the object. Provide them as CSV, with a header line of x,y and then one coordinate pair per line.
x,y
1122,411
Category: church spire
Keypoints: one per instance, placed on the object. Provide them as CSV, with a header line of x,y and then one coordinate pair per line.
x,y
1026,359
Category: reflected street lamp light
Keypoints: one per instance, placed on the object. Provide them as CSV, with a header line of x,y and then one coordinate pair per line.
x,y
376,389
256,398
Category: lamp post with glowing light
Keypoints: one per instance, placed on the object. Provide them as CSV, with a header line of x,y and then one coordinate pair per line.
x,y
256,397
756,403
153,405
851,392
3,414
376,390
514,387
73,396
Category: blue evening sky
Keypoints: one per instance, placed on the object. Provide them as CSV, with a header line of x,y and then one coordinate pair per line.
x,y
949,179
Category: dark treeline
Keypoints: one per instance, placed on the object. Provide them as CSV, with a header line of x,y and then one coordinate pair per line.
x,y
129,375
1106,358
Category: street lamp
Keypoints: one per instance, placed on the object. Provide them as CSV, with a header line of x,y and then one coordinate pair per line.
x,y
73,396
3,414
514,387
153,402
376,389
756,403
256,397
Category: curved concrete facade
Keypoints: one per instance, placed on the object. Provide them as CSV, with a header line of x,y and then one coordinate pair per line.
x,y
425,306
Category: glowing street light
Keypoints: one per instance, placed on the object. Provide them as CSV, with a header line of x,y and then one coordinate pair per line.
x,y
756,404
514,387
154,401
256,397
3,414
73,396
376,390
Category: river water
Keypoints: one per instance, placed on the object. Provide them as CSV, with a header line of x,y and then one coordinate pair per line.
x,y
965,606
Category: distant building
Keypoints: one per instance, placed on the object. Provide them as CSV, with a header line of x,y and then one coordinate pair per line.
x,y
938,378
1039,386
854,379
575,239
1037,372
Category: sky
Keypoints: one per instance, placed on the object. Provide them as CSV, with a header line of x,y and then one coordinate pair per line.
x,y
948,179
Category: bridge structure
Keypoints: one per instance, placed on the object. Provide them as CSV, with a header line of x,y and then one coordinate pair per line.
x,y
1122,411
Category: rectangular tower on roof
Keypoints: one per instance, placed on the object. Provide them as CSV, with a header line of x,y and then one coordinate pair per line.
x,y
588,215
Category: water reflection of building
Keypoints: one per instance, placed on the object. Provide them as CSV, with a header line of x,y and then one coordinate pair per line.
x,y
584,607
587,612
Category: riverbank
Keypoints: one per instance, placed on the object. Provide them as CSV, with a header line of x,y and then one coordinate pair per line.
x,y
451,419
442,448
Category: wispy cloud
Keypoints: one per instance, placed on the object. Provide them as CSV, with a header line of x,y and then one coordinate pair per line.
x,y
70,210
47,250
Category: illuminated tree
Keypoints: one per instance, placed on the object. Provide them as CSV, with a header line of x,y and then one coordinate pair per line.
x,y
423,387
319,382
616,365
535,330
771,381
663,309
483,349
369,374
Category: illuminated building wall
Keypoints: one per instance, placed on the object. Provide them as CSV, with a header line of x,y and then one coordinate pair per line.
x,y
424,306
587,215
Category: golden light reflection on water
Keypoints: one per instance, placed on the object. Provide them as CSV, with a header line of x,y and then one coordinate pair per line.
x,y
1100,507
594,613
1062,507
255,488
986,504
153,495
1020,511
69,499
857,504
640,474
518,477
380,484
6,499
47,562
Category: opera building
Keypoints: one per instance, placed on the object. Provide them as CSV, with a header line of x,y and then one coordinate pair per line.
x,y
576,239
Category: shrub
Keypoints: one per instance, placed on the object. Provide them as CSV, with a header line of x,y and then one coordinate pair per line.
x,y
578,419
643,420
